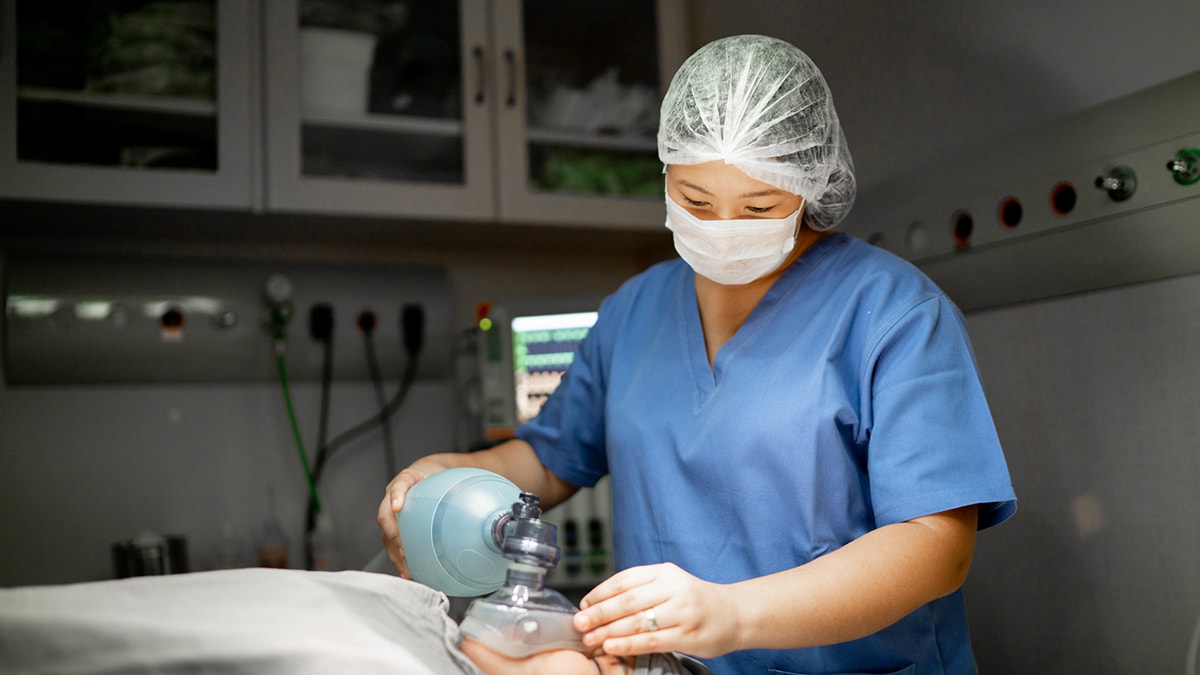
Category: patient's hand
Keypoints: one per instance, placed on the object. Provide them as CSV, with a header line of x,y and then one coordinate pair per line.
x,y
564,661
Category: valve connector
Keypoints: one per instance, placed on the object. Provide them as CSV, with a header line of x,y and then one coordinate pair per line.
x,y
529,506
1185,166
530,540
1120,183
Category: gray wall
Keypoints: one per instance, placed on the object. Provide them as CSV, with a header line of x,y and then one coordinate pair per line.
x,y
922,81
1097,401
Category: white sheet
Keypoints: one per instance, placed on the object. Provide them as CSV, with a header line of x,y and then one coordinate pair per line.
x,y
253,621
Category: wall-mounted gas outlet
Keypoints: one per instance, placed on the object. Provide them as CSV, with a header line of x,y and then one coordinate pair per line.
x,y
79,321
1035,229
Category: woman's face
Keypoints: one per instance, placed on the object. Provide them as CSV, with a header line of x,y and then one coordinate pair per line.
x,y
719,191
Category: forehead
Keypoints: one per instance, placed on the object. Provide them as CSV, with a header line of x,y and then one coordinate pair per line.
x,y
718,178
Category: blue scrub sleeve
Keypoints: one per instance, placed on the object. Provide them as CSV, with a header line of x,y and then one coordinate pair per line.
x,y
933,445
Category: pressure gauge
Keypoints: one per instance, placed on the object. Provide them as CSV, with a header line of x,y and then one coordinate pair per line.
x,y
278,288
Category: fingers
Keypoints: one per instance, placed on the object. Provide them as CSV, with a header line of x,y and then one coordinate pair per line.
x,y
621,595
393,500
644,632
390,534
398,487
619,584
489,661
658,608
649,620
627,613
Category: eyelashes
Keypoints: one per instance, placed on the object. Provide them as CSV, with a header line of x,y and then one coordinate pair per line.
x,y
755,210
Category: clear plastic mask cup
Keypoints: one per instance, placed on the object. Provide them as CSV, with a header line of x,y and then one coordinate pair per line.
x,y
523,617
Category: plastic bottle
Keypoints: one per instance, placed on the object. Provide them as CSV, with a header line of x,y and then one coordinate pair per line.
x,y
272,542
229,551
323,542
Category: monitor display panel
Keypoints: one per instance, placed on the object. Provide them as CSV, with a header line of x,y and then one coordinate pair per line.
x,y
543,349
524,355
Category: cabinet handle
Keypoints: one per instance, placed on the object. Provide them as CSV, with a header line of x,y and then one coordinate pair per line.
x,y
477,52
510,60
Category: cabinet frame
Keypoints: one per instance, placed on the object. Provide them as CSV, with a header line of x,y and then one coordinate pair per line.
x,y
234,183
516,203
289,190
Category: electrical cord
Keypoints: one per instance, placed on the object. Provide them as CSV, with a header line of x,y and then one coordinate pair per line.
x,y
320,326
413,325
412,328
373,421
389,455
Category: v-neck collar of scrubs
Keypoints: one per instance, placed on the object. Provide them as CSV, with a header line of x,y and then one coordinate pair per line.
x,y
708,378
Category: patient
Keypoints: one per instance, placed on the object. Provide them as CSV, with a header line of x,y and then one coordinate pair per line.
x,y
261,621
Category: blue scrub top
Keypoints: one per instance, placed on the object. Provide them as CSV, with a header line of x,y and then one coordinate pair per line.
x,y
848,400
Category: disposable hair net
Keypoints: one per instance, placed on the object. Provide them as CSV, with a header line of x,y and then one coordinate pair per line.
x,y
762,105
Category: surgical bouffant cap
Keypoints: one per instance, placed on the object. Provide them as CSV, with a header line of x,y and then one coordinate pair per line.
x,y
761,104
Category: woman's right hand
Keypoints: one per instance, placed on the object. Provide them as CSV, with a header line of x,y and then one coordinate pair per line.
x,y
393,500
514,459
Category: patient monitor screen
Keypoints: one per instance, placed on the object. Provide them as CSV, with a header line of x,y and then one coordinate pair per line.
x,y
543,348
525,356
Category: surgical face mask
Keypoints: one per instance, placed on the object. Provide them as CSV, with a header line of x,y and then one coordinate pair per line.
x,y
731,252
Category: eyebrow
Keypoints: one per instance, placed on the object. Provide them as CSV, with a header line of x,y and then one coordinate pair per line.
x,y
744,195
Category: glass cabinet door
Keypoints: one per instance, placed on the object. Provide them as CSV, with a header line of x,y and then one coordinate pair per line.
x,y
134,101
580,88
379,106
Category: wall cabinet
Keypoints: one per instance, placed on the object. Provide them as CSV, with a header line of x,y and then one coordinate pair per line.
x,y
91,110
522,111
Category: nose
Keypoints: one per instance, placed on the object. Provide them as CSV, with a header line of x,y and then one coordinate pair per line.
x,y
719,213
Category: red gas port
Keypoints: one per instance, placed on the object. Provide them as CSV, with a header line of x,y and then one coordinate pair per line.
x,y
170,324
962,225
1010,212
1063,198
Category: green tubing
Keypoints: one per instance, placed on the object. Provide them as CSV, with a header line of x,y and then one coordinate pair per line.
x,y
281,364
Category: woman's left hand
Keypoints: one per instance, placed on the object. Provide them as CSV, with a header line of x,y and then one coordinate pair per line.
x,y
659,608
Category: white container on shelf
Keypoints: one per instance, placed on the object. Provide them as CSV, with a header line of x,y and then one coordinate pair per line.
x,y
335,70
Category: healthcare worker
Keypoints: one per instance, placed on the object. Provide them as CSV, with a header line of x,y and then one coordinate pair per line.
x,y
800,449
